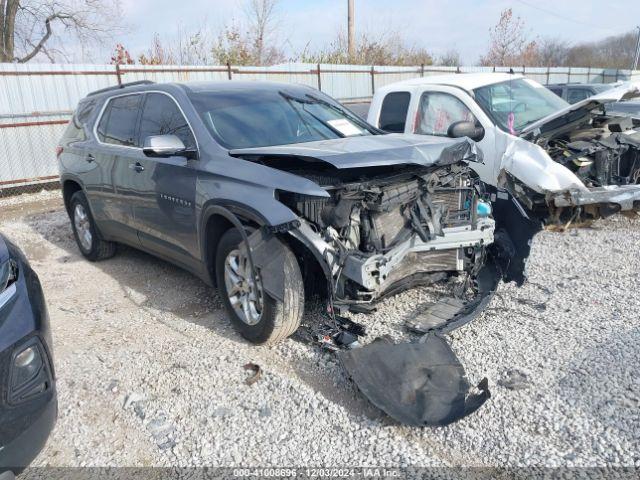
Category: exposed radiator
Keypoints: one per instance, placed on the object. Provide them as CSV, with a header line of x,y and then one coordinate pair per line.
x,y
454,200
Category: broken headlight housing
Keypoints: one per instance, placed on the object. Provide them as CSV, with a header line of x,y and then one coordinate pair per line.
x,y
30,373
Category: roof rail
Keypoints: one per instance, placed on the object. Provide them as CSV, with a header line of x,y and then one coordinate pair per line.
x,y
123,85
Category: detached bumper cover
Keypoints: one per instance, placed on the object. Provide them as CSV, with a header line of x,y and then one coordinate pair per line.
x,y
626,196
418,384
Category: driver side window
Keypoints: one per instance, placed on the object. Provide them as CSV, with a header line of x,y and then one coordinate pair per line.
x,y
161,116
438,110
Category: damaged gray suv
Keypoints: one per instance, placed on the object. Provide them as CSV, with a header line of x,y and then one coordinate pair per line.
x,y
183,171
270,190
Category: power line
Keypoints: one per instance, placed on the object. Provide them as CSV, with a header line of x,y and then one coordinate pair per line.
x,y
568,19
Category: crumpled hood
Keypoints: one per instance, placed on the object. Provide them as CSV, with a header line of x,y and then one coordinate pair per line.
x,y
626,91
375,150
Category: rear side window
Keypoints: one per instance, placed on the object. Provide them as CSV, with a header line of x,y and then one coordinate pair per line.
x,y
393,114
118,123
161,116
576,94
556,90
75,129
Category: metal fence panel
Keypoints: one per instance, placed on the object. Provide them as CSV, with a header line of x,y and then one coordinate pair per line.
x,y
36,100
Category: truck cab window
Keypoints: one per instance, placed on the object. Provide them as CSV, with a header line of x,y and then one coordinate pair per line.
x,y
437,111
393,114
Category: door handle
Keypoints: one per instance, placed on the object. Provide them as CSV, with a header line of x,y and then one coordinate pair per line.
x,y
137,167
90,158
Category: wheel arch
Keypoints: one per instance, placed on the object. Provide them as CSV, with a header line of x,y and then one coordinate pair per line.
x,y
216,219
69,187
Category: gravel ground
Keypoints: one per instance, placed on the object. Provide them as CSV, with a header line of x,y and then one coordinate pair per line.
x,y
151,373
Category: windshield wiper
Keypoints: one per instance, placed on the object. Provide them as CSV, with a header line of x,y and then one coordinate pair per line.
x,y
303,101
290,99
343,112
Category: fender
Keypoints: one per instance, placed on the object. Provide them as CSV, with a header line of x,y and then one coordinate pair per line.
x,y
230,210
530,164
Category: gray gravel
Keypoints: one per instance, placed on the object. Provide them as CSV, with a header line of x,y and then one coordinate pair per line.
x,y
151,373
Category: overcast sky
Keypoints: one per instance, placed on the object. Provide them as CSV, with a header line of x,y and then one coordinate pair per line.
x,y
434,24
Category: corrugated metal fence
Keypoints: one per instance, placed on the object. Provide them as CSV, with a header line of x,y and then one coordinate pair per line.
x,y
37,100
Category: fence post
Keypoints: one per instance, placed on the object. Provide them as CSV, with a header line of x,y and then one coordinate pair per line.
x,y
569,75
548,73
617,73
229,71
319,78
118,74
373,80
588,74
422,69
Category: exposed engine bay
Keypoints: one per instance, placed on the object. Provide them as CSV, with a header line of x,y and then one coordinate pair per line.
x,y
598,167
605,151
394,231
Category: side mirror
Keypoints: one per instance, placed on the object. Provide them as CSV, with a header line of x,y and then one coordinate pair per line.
x,y
466,129
163,146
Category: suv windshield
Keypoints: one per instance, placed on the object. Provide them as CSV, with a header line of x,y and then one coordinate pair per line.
x,y
259,117
514,104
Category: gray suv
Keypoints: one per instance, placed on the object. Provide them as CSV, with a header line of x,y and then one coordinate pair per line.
x,y
270,190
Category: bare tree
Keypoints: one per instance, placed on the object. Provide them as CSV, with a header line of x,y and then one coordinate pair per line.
x,y
611,52
381,49
552,52
121,56
263,21
157,54
232,47
255,40
509,43
28,27
450,58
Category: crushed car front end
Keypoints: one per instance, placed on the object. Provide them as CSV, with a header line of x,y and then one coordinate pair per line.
x,y
412,213
558,196
385,234
566,164
598,156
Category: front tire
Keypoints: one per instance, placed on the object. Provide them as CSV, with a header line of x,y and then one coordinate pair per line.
x,y
85,231
254,314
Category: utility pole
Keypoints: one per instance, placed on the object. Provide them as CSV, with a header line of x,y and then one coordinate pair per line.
x,y
351,35
634,66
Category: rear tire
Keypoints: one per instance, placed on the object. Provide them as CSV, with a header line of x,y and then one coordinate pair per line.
x,y
276,320
85,232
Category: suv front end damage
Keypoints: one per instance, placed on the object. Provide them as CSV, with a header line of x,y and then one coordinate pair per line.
x,y
387,234
378,232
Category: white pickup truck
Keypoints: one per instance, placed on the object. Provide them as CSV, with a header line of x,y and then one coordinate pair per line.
x,y
565,163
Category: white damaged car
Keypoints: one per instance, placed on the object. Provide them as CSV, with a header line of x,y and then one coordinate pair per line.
x,y
564,164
